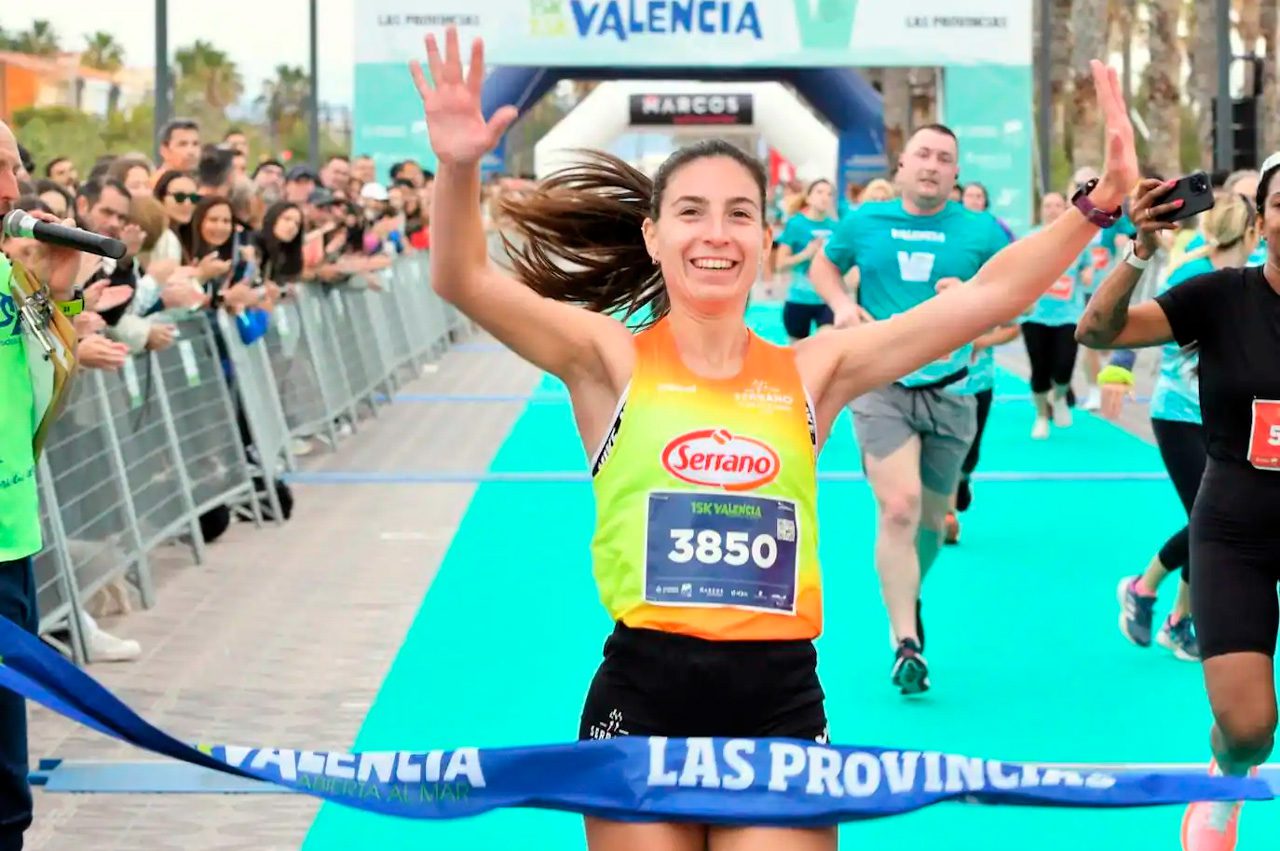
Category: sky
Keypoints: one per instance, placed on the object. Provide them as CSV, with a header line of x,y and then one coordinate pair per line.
x,y
258,35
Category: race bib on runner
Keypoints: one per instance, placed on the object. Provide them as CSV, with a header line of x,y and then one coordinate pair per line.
x,y
711,549
1264,435
1062,288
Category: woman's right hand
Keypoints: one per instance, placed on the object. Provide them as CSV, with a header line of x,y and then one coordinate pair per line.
x,y
455,125
1144,207
211,267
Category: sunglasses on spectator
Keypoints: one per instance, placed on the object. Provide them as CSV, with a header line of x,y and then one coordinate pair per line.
x,y
193,197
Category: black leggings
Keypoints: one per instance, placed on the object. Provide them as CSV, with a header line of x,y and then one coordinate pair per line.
x,y
984,408
1182,450
1052,352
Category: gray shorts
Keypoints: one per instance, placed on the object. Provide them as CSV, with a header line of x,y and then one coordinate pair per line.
x,y
885,419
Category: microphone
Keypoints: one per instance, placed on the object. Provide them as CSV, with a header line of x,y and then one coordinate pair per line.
x,y
21,224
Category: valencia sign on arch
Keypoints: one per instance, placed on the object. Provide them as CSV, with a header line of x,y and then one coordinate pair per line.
x,y
984,52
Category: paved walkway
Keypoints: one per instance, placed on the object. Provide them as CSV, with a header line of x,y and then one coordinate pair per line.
x,y
284,636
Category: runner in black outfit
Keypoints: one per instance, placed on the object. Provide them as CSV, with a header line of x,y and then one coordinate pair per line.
x,y
1232,318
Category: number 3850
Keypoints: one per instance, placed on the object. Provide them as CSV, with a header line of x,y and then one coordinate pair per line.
x,y
733,548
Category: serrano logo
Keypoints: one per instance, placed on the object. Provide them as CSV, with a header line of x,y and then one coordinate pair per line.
x,y
715,457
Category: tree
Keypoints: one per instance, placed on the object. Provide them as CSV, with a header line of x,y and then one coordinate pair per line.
x,y
284,99
40,40
1059,29
206,84
1163,73
1202,60
103,52
1270,92
1089,37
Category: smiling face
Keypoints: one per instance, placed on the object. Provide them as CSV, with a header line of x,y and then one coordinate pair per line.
x,y
709,235
215,229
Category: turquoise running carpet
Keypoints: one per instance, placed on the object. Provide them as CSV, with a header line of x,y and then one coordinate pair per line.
x,y
1026,658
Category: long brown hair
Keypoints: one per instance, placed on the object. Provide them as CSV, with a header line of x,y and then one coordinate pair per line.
x,y
581,233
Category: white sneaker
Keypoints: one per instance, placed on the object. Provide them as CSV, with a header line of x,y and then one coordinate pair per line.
x,y
1093,402
299,446
105,647
1040,430
1061,414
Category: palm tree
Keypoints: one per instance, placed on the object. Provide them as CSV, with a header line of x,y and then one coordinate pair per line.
x,y
208,81
285,101
1089,41
103,52
1163,73
40,40
1268,21
1202,82
1059,30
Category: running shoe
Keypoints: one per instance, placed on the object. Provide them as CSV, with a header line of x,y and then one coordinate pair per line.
x,y
910,671
1180,638
964,495
952,529
1093,402
1061,415
1136,612
1040,430
1212,825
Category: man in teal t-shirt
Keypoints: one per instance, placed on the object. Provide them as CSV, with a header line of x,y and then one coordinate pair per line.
x,y
913,434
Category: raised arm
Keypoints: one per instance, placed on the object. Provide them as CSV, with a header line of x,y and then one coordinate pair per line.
x,y
560,338
846,363
1109,322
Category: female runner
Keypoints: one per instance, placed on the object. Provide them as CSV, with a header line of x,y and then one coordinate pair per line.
x,y
807,228
1232,319
1231,234
703,437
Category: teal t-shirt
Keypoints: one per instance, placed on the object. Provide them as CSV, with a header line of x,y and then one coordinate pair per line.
x,y
1177,392
1257,258
1063,302
798,233
19,497
901,258
982,374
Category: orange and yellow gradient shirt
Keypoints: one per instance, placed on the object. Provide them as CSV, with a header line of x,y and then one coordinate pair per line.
x,y
706,499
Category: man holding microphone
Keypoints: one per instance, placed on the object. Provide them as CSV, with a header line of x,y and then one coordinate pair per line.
x,y
20,536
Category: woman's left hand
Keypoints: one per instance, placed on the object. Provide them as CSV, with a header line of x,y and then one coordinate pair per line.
x,y
1120,169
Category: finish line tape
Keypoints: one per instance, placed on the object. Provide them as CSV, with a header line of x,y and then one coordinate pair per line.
x,y
767,782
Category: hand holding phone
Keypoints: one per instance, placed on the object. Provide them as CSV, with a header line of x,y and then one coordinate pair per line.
x,y
1195,191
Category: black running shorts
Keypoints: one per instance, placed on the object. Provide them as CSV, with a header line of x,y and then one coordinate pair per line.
x,y
660,684
1235,561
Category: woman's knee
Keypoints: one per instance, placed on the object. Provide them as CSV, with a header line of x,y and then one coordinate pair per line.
x,y
1248,731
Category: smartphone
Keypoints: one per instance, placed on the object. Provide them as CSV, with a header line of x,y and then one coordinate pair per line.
x,y
1196,192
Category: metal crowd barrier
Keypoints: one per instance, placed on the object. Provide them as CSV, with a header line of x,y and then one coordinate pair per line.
x,y
139,455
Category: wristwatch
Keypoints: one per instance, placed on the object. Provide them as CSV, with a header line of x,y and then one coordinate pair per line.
x,y
1101,218
1131,257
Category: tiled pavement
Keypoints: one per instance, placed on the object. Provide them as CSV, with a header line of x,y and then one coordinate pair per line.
x,y
283,637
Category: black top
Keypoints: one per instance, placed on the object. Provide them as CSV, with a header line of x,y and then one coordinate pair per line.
x,y
1233,316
